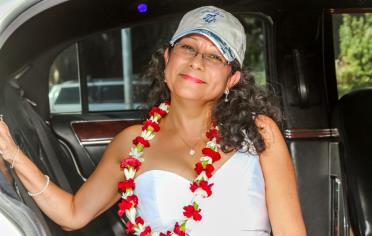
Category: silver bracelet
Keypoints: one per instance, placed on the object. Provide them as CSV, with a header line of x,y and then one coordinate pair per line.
x,y
14,157
42,190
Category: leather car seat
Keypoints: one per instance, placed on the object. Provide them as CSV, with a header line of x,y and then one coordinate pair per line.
x,y
36,139
353,118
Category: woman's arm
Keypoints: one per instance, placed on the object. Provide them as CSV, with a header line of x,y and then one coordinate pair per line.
x,y
96,195
280,181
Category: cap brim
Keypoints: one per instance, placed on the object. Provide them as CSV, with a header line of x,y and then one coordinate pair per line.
x,y
225,49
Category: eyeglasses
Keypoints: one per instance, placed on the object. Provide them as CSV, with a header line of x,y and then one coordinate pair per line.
x,y
210,59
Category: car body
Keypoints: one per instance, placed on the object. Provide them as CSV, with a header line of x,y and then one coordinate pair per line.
x,y
48,46
105,95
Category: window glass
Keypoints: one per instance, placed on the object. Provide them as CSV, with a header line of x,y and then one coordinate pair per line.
x,y
255,52
69,96
64,92
353,51
112,64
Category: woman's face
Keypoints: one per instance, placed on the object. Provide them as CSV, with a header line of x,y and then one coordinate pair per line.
x,y
193,77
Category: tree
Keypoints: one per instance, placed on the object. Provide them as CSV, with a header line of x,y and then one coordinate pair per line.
x,y
354,62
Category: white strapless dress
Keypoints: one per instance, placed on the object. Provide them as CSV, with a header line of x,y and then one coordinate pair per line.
x,y
237,206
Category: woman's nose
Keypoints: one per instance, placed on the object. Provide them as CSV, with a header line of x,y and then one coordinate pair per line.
x,y
197,61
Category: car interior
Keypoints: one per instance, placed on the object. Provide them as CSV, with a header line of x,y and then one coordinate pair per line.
x,y
290,49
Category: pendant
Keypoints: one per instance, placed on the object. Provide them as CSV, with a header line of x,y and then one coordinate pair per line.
x,y
192,152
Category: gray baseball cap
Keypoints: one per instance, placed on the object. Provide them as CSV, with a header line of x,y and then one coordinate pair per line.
x,y
219,26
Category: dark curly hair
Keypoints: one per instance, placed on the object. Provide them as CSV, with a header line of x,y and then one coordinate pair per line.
x,y
246,100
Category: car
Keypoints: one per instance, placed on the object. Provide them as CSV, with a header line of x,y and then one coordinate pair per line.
x,y
59,60
103,95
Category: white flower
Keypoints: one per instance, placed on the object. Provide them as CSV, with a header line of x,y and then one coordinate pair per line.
x,y
202,176
136,154
139,229
126,194
131,214
200,193
129,173
164,107
213,144
147,135
206,158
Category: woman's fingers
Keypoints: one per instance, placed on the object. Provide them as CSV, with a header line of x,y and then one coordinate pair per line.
x,y
7,145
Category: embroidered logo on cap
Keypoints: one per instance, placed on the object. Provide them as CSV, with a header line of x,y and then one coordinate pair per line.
x,y
211,15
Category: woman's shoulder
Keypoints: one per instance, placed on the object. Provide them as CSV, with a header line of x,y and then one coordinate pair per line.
x,y
263,121
122,142
128,134
268,129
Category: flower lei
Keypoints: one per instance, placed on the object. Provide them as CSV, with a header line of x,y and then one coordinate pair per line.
x,y
200,186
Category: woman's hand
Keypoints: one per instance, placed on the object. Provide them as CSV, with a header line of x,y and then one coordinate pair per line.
x,y
8,148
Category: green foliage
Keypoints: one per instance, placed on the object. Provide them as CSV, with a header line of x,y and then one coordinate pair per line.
x,y
254,56
354,62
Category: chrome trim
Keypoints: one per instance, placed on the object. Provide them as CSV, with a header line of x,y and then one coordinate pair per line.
x,y
73,159
311,133
103,120
335,205
90,142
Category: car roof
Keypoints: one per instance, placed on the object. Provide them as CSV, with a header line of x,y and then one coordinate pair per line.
x,y
11,9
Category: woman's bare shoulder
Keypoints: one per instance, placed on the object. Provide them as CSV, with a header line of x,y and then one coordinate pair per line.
x,y
268,129
128,134
264,121
122,142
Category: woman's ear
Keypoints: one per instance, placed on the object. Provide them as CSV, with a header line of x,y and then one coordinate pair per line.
x,y
166,56
234,79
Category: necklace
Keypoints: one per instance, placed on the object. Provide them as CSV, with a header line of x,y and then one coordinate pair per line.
x,y
192,150
200,187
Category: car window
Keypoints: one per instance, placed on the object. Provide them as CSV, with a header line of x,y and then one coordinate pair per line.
x,y
69,95
352,35
111,64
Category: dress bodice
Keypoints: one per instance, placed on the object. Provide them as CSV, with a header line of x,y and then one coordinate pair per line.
x,y
236,207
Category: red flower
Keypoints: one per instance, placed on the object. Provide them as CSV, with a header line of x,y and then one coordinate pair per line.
x,y
125,204
133,199
167,102
139,220
203,185
130,161
157,110
190,211
151,123
211,153
142,141
177,230
213,133
129,227
146,231
168,233
123,185
208,169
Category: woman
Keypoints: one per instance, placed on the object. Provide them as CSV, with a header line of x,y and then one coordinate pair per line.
x,y
237,179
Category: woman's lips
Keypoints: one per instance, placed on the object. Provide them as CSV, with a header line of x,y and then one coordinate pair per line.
x,y
192,79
